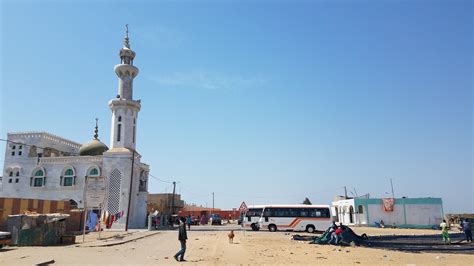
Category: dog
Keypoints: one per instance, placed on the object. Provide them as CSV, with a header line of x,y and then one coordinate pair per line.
x,y
231,236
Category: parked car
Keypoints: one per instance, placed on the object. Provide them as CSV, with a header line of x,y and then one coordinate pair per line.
x,y
215,219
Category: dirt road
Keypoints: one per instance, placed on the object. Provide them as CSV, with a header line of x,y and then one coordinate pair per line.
x,y
213,248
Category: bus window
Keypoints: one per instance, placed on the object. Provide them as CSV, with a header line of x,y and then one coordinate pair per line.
x,y
304,213
268,212
254,213
322,212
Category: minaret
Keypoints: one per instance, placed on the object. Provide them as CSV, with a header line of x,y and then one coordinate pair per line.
x,y
124,108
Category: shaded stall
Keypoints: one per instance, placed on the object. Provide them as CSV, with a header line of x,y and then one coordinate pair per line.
x,y
37,229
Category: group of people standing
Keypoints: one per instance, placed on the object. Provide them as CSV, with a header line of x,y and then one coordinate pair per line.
x,y
465,227
336,233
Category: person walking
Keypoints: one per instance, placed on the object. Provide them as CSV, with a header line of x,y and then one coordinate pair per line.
x,y
466,227
182,237
444,232
189,221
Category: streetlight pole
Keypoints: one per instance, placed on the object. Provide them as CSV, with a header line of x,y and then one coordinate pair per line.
x,y
130,191
172,200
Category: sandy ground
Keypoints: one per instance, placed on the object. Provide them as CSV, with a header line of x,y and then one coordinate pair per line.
x,y
213,248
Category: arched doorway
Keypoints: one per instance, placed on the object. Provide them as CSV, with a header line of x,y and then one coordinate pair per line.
x,y
73,204
351,214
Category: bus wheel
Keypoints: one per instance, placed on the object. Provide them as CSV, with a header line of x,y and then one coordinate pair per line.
x,y
272,228
254,227
310,229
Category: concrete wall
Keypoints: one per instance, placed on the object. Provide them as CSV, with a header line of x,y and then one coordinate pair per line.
x,y
424,214
408,212
376,213
120,159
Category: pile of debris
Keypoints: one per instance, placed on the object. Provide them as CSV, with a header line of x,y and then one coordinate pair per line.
x,y
347,238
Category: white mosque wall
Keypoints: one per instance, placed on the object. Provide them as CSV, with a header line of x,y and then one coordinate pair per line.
x,y
22,186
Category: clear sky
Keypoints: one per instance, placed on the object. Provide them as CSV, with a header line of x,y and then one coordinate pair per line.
x,y
267,102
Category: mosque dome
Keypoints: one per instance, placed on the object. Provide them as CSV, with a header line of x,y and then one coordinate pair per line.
x,y
95,146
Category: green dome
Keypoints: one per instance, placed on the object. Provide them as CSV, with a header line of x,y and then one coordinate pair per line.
x,y
93,148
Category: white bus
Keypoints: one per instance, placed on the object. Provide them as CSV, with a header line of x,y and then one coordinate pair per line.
x,y
309,218
251,216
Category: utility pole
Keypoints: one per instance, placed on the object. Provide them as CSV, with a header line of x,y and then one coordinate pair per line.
x,y
391,184
345,191
130,191
172,200
212,203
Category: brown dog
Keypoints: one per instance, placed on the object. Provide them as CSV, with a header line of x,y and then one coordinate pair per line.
x,y
231,236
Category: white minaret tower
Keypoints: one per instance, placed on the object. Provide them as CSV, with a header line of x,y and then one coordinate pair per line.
x,y
124,108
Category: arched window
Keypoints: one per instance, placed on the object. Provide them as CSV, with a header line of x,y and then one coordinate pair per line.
x,y
94,172
68,178
11,173
39,173
143,181
38,179
119,127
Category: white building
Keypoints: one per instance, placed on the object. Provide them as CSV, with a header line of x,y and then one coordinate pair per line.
x,y
402,212
39,165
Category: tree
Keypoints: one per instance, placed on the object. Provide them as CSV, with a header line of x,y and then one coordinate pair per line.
x,y
306,201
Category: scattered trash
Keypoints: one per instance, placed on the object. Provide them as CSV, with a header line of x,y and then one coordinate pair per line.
x,y
196,239
385,256
348,251
167,258
357,262
324,258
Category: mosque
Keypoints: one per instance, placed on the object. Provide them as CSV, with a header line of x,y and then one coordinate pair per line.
x,y
39,165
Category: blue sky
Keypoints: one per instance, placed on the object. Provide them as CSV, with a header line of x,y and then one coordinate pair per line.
x,y
267,102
